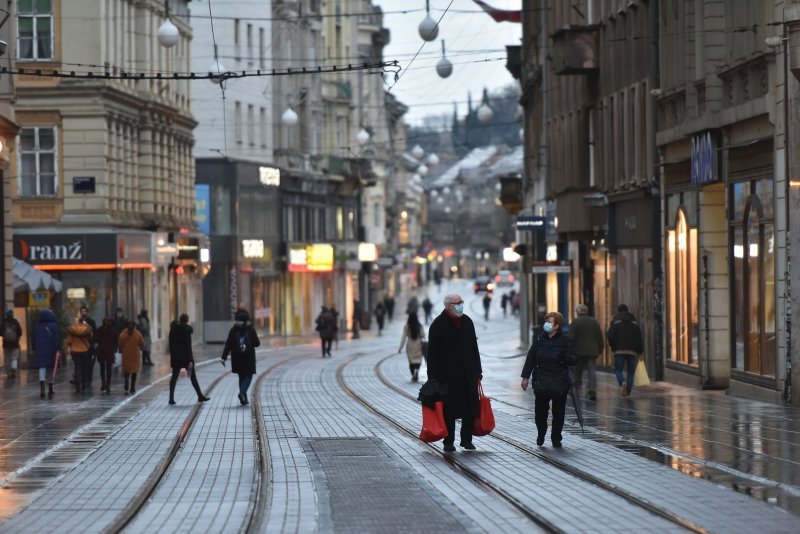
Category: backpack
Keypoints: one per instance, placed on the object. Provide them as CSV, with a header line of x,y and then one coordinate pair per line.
x,y
10,332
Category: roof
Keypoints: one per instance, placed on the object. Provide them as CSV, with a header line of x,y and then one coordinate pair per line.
x,y
474,159
510,163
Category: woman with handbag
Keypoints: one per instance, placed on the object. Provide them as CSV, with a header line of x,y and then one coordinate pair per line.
x,y
413,336
548,360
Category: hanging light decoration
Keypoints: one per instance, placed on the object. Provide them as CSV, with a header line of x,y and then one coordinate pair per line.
x,y
428,29
362,137
168,34
444,67
289,117
433,160
422,170
417,152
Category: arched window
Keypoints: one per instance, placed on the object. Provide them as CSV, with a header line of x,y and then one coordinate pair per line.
x,y
682,316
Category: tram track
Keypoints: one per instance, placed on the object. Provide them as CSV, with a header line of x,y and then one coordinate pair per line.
x,y
516,444
259,503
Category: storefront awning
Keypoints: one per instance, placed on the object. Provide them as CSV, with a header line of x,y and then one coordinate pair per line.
x,y
27,277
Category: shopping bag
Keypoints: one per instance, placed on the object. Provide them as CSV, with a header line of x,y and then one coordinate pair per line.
x,y
117,359
484,422
433,427
640,377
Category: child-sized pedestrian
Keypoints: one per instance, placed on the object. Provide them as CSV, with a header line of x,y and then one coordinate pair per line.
x,y
241,346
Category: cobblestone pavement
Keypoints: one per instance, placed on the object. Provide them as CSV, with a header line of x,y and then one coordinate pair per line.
x,y
83,463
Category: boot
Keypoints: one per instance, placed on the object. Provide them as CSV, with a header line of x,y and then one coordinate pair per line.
x,y
133,383
41,387
51,392
127,375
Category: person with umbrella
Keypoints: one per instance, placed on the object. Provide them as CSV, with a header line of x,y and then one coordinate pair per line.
x,y
548,361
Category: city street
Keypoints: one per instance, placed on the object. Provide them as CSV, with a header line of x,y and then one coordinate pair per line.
x,y
329,445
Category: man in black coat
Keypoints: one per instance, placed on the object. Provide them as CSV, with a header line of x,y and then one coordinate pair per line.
x,y
181,356
625,339
454,360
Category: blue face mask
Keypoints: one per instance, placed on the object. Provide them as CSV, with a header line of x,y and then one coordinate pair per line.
x,y
459,308
548,327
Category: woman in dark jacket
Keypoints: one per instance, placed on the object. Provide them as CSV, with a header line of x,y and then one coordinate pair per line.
x,y
454,360
46,344
181,356
106,339
549,359
241,345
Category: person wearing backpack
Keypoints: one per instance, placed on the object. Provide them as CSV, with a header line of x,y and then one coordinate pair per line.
x,y
625,339
12,331
548,361
241,346
326,326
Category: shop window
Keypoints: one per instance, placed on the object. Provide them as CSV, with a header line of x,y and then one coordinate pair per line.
x,y
38,174
34,29
682,317
752,256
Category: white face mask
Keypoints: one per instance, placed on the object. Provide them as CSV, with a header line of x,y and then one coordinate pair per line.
x,y
459,308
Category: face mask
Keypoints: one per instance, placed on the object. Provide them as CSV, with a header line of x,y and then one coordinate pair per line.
x,y
548,327
240,323
459,308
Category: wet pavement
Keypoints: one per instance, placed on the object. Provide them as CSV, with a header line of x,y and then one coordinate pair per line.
x,y
664,442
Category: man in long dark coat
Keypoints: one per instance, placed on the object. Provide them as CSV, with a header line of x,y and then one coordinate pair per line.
x,y
454,360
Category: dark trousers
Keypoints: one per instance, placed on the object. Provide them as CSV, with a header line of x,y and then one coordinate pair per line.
x,y
327,343
413,367
176,372
105,373
80,374
541,409
130,377
244,383
466,430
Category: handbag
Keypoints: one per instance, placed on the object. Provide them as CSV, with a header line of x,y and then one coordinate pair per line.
x,y
640,378
550,383
433,426
484,422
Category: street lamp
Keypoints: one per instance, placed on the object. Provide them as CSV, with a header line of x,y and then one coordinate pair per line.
x,y
444,67
428,28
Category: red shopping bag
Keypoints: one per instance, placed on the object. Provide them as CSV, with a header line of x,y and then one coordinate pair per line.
x,y
433,427
484,422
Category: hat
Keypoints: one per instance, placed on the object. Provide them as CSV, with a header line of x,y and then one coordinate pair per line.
x,y
241,316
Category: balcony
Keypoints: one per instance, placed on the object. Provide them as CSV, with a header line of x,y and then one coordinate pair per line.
x,y
575,50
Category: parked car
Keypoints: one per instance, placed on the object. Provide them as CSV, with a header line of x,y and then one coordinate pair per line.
x,y
504,279
483,283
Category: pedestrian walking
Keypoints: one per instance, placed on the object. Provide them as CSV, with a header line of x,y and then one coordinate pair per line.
x,y
413,336
487,303
120,322
454,361
548,361
181,356
12,332
130,343
380,315
241,346
106,346
587,336
46,344
515,303
412,306
326,326
625,339
504,303
389,304
356,319
143,326
427,307
79,343
84,314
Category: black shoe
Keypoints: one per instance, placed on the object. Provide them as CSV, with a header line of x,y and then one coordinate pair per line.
x,y
203,398
540,440
246,401
241,398
449,448
557,444
468,446
171,401
133,390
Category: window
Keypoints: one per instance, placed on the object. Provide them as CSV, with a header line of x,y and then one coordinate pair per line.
x,y
35,29
237,122
752,243
251,125
37,162
261,48
250,44
262,124
682,316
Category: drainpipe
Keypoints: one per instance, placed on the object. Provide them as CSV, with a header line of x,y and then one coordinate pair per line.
x,y
787,383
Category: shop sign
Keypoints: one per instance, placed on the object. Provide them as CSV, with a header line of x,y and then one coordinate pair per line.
x,y
66,249
253,248
704,159
367,252
531,223
39,299
310,258
202,207
188,248
269,176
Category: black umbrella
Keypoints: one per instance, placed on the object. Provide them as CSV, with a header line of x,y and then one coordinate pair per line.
x,y
575,404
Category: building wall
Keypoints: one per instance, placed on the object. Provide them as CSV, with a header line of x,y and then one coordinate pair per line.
x,y
8,132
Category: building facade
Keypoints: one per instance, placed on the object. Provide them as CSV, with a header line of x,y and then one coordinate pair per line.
x,y
103,196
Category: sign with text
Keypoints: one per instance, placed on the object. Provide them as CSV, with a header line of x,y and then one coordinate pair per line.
x,y
310,258
202,207
66,249
704,159
253,248
531,223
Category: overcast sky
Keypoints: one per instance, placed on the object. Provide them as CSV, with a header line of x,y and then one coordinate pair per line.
x,y
475,45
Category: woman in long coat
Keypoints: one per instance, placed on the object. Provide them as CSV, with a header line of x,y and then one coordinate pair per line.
x,y
182,357
106,339
46,344
143,325
454,360
241,346
131,343
413,336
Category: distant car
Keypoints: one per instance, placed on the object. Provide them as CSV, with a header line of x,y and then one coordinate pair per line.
x,y
504,279
483,283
